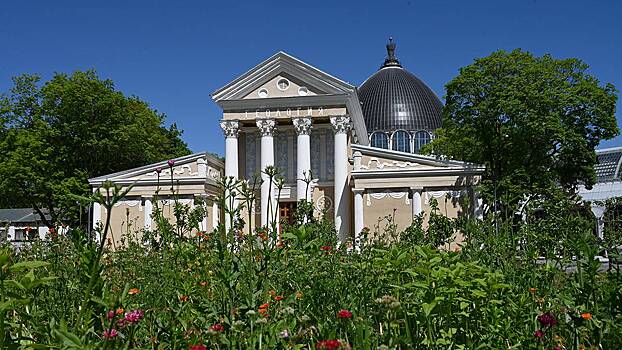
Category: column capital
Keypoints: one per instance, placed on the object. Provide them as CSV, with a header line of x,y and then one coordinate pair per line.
x,y
341,124
358,190
302,125
266,126
230,128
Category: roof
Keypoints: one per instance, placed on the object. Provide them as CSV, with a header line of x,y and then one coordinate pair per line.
x,y
19,215
393,98
133,175
608,166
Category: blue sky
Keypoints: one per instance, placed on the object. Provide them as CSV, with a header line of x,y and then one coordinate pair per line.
x,y
174,54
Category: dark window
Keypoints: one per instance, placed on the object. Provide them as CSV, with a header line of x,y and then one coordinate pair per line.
x,y
401,141
421,138
379,140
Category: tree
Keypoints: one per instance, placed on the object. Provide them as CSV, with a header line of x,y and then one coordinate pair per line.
x,y
54,136
533,121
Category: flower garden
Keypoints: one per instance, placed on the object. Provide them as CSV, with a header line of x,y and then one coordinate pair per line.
x,y
177,288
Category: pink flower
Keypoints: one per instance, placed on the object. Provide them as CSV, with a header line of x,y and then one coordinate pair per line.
x,y
198,347
110,314
110,333
344,314
171,162
538,334
328,344
134,316
158,170
217,328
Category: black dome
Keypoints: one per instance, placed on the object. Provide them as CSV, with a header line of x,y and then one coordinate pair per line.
x,y
394,98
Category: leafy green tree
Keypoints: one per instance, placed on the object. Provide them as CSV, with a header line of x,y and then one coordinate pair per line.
x,y
533,121
56,135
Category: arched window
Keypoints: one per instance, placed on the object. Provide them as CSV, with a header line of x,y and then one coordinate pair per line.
x,y
401,141
421,138
379,139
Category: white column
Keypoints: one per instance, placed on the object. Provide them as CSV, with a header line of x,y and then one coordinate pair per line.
x,y
478,206
97,215
416,199
215,214
148,209
599,213
266,129
359,217
231,129
303,156
11,233
341,126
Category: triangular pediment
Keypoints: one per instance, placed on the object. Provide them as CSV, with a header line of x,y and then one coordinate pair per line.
x,y
302,78
194,167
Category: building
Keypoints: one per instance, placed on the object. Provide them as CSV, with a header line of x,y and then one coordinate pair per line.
x,y
608,186
359,144
21,225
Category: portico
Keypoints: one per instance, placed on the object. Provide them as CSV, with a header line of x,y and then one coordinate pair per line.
x,y
289,115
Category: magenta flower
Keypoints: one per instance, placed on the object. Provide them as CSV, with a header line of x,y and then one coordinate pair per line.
x,y
134,316
110,333
547,320
538,334
110,314
171,162
158,170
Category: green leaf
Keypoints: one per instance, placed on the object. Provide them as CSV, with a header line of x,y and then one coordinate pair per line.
x,y
28,265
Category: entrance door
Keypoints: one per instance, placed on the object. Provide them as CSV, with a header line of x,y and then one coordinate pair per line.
x,y
286,212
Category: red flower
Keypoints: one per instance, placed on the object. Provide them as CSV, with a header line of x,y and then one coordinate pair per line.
x,y
264,306
547,320
538,334
344,314
217,328
328,344
198,347
278,298
326,248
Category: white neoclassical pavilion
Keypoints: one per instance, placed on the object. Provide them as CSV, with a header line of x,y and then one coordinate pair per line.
x,y
288,114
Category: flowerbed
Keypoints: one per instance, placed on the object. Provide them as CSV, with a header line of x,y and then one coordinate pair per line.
x,y
224,290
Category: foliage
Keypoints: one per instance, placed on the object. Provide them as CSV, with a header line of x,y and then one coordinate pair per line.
x,y
184,289
56,135
533,121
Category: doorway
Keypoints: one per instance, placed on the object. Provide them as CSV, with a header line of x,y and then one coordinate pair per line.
x,y
286,212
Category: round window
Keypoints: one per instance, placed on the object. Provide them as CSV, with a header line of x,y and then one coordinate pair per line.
x,y
263,93
282,84
303,91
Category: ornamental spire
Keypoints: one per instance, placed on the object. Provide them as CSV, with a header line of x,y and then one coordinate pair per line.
x,y
391,60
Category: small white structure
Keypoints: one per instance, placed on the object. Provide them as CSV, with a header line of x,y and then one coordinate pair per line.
x,y
19,225
608,184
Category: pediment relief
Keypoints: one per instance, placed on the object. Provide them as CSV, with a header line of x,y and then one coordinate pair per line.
x,y
375,163
283,85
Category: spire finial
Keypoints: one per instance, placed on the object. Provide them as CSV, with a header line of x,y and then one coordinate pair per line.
x,y
391,60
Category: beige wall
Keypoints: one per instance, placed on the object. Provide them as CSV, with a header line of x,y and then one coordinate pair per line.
x,y
378,210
